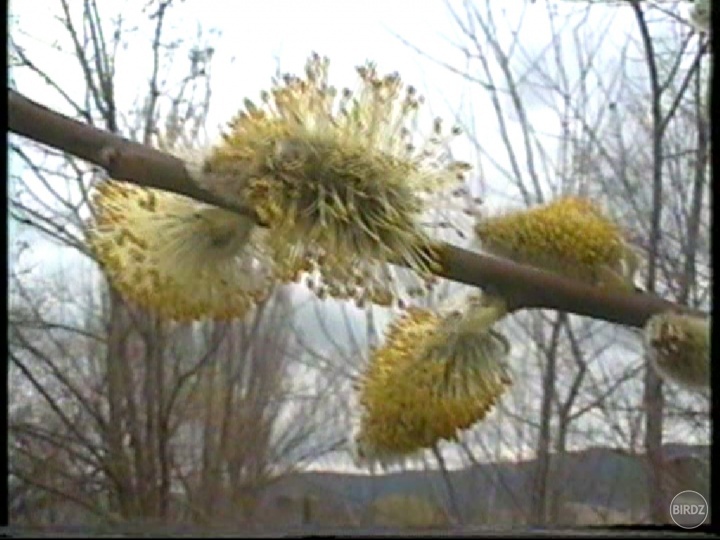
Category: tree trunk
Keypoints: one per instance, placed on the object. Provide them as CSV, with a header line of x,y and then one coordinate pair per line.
x,y
540,492
455,508
653,402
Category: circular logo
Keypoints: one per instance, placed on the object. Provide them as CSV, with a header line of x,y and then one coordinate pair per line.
x,y
688,509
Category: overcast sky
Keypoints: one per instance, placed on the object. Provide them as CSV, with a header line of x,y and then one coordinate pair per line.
x,y
254,38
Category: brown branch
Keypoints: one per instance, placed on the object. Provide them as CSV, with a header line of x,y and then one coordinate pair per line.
x,y
524,287
121,158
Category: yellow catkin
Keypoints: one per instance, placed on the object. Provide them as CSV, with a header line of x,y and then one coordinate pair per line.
x,y
339,177
678,346
569,236
414,394
175,257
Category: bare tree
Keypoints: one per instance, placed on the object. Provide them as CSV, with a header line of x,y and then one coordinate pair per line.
x,y
586,97
117,395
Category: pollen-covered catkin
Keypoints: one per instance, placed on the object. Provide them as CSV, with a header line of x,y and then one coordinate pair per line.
x,y
178,258
435,375
341,180
678,347
569,236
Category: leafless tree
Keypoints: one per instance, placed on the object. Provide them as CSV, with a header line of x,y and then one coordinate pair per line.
x,y
115,400
567,75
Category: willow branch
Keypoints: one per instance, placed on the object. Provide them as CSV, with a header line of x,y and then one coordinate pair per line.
x,y
121,158
522,286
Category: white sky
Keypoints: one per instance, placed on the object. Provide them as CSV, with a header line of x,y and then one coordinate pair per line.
x,y
256,34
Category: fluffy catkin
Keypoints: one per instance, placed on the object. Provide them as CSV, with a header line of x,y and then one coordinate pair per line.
x,y
178,258
435,375
341,179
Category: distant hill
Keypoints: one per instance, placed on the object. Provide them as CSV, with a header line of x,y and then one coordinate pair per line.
x,y
598,478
